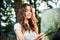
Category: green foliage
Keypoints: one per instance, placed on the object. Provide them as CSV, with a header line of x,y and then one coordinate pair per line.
x,y
6,16
49,22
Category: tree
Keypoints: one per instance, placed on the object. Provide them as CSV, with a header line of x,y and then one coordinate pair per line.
x,y
6,16
17,4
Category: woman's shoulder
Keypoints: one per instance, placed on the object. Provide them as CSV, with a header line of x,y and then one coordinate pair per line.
x,y
17,26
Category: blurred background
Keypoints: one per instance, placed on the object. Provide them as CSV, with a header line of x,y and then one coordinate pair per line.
x,y
8,14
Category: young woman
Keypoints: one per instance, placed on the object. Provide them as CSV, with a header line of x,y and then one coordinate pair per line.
x,y
26,26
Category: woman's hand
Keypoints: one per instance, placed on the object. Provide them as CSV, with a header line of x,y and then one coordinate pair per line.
x,y
40,36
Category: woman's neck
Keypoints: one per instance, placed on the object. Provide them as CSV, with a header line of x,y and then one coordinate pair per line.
x,y
26,21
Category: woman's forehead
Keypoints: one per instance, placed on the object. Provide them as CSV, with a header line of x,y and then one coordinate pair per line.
x,y
28,8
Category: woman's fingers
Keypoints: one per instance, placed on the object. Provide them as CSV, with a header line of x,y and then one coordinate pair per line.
x,y
41,36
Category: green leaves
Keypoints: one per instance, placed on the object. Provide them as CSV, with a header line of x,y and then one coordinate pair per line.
x,y
49,21
7,16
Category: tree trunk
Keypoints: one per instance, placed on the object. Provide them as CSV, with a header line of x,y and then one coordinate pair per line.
x,y
17,4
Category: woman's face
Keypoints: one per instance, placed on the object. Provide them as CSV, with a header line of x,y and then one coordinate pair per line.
x,y
28,12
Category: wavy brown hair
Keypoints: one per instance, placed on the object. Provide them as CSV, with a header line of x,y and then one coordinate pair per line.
x,y
21,19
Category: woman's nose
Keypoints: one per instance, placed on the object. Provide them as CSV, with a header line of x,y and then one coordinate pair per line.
x,y
29,12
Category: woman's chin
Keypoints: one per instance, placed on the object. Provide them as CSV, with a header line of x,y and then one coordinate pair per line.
x,y
28,17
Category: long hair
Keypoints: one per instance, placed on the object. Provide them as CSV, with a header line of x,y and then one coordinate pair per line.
x,y
21,19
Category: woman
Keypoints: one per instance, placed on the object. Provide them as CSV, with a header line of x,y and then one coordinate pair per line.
x,y
26,26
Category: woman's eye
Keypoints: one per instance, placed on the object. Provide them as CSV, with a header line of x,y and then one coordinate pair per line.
x,y
27,11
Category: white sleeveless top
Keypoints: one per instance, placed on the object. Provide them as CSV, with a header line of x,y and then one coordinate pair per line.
x,y
27,35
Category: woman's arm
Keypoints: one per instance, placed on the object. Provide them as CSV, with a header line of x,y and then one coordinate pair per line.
x,y
19,34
